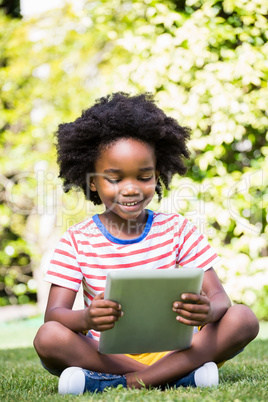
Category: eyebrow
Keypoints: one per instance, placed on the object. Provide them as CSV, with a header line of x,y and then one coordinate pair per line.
x,y
145,169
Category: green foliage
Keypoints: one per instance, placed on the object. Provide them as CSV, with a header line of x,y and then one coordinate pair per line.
x,y
11,7
260,306
206,63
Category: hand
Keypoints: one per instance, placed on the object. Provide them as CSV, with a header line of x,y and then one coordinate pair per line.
x,y
102,314
193,310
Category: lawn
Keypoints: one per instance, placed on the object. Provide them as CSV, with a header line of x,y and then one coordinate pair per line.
x,y
23,379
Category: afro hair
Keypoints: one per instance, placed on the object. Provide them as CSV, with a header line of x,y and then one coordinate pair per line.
x,y
111,118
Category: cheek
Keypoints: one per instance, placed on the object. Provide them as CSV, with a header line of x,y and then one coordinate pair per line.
x,y
108,189
150,189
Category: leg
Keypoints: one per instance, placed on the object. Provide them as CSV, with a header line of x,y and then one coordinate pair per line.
x,y
58,347
216,342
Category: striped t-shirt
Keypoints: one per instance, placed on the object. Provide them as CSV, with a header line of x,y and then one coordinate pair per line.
x,y
87,252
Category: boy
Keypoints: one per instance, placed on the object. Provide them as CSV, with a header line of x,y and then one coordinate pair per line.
x,y
120,152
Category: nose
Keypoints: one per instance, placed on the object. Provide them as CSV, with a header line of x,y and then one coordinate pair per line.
x,y
130,189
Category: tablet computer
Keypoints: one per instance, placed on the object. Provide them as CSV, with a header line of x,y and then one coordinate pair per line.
x,y
146,297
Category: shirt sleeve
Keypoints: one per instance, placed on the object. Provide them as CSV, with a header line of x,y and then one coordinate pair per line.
x,y
194,251
64,269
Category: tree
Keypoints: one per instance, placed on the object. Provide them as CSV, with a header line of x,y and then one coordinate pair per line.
x,y
11,8
205,61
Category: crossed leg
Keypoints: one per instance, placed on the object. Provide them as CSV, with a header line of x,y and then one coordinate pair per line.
x,y
58,347
215,342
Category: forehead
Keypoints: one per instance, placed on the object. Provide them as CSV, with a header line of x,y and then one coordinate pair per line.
x,y
126,153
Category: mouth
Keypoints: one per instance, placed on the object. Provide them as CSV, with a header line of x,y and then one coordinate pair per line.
x,y
129,204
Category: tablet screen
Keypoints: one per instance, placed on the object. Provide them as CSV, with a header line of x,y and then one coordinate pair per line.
x,y
147,297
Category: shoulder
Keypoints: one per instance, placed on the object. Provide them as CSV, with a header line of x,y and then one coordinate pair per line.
x,y
180,226
80,231
168,223
86,226
161,218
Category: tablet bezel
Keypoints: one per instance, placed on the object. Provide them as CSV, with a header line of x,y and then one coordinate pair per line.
x,y
146,297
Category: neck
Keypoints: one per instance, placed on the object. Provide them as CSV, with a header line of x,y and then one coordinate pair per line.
x,y
124,229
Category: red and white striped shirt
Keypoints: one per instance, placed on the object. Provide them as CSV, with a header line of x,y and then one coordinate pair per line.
x,y
87,252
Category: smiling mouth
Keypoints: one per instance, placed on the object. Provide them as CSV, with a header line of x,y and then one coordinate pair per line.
x,y
129,204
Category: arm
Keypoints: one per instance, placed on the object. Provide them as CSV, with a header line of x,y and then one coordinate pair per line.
x,y
100,316
214,291
210,306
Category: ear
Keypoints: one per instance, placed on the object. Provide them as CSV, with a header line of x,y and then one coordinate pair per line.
x,y
92,184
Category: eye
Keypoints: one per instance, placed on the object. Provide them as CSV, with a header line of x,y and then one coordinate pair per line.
x,y
145,178
113,181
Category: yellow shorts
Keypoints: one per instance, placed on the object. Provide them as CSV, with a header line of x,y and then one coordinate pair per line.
x,y
151,358
148,358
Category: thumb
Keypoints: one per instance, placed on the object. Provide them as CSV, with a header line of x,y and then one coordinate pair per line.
x,y
99,296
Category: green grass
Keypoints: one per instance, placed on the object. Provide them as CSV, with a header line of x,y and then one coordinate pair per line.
x,y
23,379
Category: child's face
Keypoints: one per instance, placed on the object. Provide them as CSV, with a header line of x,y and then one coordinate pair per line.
x,y
125,177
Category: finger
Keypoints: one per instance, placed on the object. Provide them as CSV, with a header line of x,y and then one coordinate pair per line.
x,y
199,317
102,312
191,323
193,297
190,296
106,320
192,308
105,327
99,296
104,303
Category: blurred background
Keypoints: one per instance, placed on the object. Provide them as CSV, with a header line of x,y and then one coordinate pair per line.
x,y
205,61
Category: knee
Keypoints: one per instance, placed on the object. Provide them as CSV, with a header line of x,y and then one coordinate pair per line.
x,y
47,337
246,323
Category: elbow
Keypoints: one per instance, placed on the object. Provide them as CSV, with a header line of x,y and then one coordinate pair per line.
x,y
46,318
49,316
228,303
